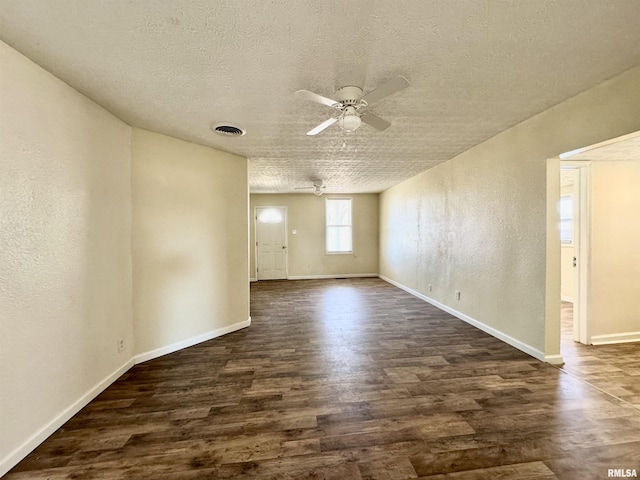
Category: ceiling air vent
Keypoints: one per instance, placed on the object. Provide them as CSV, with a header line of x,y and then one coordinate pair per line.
x,y
228,130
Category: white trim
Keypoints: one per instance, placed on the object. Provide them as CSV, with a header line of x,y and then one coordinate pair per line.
x,y
345,275
554,359
615,338
565,298
189,342
528,349
11,460
252,279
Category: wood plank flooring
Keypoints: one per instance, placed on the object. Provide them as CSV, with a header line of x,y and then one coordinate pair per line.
x,y
343,379
612,368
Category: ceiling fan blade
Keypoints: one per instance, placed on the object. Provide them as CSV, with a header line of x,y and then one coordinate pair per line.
x,y
322,126
375,121
314,97
392,86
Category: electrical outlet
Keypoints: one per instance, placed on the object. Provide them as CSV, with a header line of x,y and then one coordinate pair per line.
x,y
121,345
430,287
457,294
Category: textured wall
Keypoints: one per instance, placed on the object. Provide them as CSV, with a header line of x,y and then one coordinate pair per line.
x,y
614,284
65,256
190,239
466,226
306,214
478,222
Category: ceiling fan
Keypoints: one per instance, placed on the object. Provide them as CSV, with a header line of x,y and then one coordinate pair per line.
x,y
318,187
352,105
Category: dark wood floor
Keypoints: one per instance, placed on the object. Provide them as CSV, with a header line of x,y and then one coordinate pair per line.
x,y
612,368
344,379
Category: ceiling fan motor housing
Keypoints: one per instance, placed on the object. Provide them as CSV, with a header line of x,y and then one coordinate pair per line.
x,y
349,95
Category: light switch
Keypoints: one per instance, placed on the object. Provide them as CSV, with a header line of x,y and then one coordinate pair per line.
x,y
294,232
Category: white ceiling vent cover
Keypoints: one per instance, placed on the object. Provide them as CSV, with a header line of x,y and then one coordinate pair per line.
x,y
228,130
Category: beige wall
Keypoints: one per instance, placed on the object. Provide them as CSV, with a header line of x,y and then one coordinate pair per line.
x,y
478,222
614,283
190,234
306,249
70,280
65,252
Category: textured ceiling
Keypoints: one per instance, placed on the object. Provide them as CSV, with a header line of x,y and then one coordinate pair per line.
x,y
622,148
625,148
475,67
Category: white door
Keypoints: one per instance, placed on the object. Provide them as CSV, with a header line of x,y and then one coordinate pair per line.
x,y
581,326
581,330
271,243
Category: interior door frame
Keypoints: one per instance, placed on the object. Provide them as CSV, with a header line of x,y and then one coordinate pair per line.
x,y
286,238
582,215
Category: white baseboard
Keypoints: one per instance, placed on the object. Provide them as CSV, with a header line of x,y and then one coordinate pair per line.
x,y
564,298
615,338
189,342
253,279
554,359
318,277
45,432
528,349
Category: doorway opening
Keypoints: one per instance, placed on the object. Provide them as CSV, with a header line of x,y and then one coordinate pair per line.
x,y
574,244
592,239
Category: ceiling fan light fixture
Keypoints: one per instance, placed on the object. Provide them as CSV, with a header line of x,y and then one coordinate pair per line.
x,y
318,191
350,121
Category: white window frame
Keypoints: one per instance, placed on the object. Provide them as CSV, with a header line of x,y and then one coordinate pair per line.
x,y
327,226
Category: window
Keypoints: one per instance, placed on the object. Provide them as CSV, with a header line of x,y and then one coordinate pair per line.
x,y
566,220
338,231
270,215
